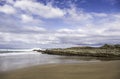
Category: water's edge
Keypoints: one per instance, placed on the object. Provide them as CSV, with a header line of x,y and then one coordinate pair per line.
x,y
21,59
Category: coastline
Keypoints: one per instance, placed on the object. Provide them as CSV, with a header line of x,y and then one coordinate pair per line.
x,y
108,51
92,70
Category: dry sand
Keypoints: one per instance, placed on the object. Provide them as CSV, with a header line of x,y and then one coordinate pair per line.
x,y
91,70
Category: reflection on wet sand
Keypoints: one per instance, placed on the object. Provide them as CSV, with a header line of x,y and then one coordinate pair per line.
x,y
92,70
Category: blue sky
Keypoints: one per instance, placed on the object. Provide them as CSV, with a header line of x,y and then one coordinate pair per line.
x,y
58,23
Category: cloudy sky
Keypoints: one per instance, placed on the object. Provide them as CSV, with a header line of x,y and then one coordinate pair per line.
x,y
58,23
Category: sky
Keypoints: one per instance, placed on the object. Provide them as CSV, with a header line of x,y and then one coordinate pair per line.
x,y
59,23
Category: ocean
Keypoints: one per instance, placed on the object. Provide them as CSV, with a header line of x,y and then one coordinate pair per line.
x,y
11,59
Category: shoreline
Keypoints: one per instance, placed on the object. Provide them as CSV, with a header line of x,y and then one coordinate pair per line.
x,y
108,51
92,70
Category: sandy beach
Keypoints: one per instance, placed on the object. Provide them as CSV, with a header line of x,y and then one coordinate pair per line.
x,y
90,70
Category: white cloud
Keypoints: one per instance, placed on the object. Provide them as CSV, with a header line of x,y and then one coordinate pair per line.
x,y
34,28
66,30
99,14
92,23
82,27
7,9
75,15
10,1
90,28
46,11
26,18
117,16
28,38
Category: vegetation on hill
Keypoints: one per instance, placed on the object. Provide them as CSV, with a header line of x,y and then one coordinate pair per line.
x,y
103,51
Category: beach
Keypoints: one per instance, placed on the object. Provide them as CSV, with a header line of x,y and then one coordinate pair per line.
x,y
89,70
59,39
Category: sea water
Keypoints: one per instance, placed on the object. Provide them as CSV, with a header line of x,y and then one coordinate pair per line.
x,y
11,59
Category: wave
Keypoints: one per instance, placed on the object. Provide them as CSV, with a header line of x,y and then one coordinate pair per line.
x,y
20,49
21,53
9,52
16,49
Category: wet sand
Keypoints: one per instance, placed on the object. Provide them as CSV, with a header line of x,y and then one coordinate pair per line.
x,y
90,70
